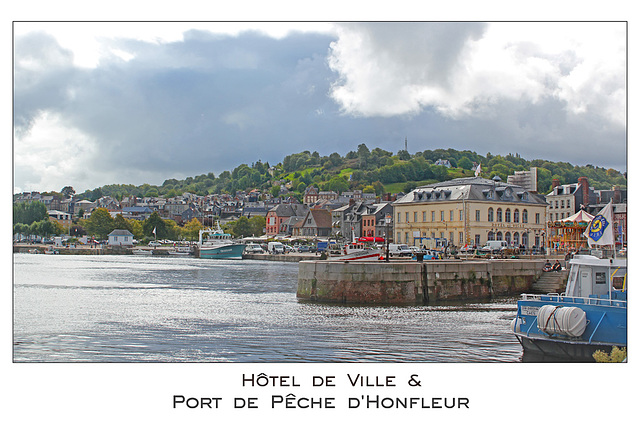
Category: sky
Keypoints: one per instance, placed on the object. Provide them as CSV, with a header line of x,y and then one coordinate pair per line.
x,y
140,102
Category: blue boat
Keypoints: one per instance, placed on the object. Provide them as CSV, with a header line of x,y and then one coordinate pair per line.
x,y
215,243
590,315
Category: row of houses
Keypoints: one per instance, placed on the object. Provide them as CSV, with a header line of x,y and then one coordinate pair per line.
x,y
460,211
464,211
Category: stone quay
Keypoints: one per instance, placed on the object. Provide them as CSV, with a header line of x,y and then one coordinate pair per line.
x,y
401,282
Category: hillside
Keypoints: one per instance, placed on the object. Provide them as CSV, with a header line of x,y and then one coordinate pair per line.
x,y
374,170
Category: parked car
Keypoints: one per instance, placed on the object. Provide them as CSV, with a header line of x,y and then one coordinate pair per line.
x,y
154,243
495,246
400,250
253,248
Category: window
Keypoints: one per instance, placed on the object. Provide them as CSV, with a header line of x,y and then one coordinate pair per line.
x,y
490,215
461,238
451,217
516,215
507,215
562,204
461,216
499,216
398,216
406,237
415,217
537,218
424,216
406,217
433,216
477,215
568,204
441,215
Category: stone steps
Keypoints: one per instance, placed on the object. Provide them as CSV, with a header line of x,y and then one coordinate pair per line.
x,y
551,281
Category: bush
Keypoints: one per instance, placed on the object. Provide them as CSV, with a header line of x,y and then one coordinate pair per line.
x,y
616,356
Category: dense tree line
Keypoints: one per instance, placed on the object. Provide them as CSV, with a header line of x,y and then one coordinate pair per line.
x,y
363,168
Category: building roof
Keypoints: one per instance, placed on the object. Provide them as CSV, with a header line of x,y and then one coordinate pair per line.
x,y
322,217
472,188
290,209
119,232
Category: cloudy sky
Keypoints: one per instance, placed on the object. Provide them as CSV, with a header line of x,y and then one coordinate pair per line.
x,y
133,103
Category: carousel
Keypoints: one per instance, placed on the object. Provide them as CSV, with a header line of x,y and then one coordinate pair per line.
x,y
567,234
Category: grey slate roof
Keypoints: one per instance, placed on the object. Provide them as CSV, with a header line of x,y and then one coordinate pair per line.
x,y
472,188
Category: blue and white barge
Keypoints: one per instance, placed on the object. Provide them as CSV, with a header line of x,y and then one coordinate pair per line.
x,y
590,315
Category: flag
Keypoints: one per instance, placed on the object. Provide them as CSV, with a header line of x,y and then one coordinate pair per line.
x,y
478,170
600,229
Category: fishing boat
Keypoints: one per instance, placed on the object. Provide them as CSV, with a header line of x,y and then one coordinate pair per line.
x,y
590,315
215,243
358,251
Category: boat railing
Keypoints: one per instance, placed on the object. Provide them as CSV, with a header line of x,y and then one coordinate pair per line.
x,y
618,299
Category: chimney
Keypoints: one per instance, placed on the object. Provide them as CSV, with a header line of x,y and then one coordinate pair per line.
x,y
617,195
555,183
584,183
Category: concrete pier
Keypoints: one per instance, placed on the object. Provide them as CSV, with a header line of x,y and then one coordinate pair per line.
x,y
399,282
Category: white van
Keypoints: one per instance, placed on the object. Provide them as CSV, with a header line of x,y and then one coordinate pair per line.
x,y
275,248
400,250
495,246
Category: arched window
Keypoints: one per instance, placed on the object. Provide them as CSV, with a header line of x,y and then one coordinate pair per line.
x,y
507,237
499,235
516,215
525,239
516,239
490,236
499,215
525,216
490,216
507,215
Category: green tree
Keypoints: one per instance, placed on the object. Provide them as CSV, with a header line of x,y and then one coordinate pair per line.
x,y
190,231
154,222
100,223
257,224
241,227
120,223
465,163
29,212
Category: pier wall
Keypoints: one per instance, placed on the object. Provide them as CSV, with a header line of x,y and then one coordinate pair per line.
x,y
414,282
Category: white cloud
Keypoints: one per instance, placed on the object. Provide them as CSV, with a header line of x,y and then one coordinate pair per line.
x,y
464,69
91,41
51,155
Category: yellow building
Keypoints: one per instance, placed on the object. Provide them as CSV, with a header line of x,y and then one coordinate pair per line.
x,y
470,211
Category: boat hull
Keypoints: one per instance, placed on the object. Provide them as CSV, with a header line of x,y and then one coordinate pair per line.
x,y
606,328
358,256
222,252
539,348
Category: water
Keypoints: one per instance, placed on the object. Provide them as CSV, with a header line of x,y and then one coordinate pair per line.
x,y
159,309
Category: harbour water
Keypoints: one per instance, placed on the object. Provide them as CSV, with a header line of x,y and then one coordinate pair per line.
x,y
163,309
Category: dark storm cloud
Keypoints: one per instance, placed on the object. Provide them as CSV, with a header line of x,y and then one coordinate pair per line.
x,y
209,102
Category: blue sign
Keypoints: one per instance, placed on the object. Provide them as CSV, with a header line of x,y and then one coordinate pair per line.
x,y
598,227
